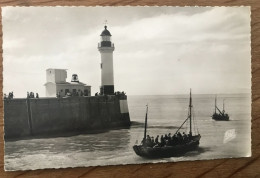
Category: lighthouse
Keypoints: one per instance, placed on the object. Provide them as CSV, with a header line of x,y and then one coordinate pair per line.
x,y
106,48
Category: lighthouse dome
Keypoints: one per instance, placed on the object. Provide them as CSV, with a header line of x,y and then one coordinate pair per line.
x,y
105,32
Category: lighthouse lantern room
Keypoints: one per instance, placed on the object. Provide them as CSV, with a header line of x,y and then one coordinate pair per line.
x,y
106,48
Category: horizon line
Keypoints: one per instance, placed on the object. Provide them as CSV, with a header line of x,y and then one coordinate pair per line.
x,y
187,94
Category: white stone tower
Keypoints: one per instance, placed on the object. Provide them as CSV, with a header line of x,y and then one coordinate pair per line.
x,y
106,49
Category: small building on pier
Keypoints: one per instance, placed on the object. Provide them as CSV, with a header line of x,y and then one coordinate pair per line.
x,y
56,84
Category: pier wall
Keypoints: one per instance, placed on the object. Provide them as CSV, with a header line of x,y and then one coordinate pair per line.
x,y
47,116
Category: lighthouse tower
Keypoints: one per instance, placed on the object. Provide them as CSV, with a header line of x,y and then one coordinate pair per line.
x,y
106,49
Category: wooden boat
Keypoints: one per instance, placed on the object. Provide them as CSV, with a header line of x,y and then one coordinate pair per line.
x,y
171,148
220,115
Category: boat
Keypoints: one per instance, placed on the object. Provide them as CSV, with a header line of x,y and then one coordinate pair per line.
x,y
175,146
220,115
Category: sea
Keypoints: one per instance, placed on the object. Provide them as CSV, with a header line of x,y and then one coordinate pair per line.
x,y
166,113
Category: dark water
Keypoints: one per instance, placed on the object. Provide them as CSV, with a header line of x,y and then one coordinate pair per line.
x,y
166,114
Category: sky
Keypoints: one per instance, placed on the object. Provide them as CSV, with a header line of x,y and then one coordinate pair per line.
x,y
158,50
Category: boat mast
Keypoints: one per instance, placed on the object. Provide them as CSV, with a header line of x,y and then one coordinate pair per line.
x,y
223,106
145,125
215,104
190,105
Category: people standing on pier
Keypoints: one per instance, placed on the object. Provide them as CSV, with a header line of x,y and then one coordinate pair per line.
x,y
31,95
58,95
10,95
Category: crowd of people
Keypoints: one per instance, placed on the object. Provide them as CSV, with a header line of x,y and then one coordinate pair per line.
x,y
120,93
10,95
166,140
117,93
68,94
58,95
31,95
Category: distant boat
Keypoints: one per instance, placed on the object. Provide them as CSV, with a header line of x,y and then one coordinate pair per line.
x,y
220,115
176,145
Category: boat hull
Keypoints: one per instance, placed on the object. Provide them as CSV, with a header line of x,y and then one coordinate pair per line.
x,y
218,117
167,151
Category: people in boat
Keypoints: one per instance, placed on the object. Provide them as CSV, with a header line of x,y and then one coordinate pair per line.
x,y
179,134
185,137
148,141
166,137
174,138
157,139
162,141
143,141
167,140
152,140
